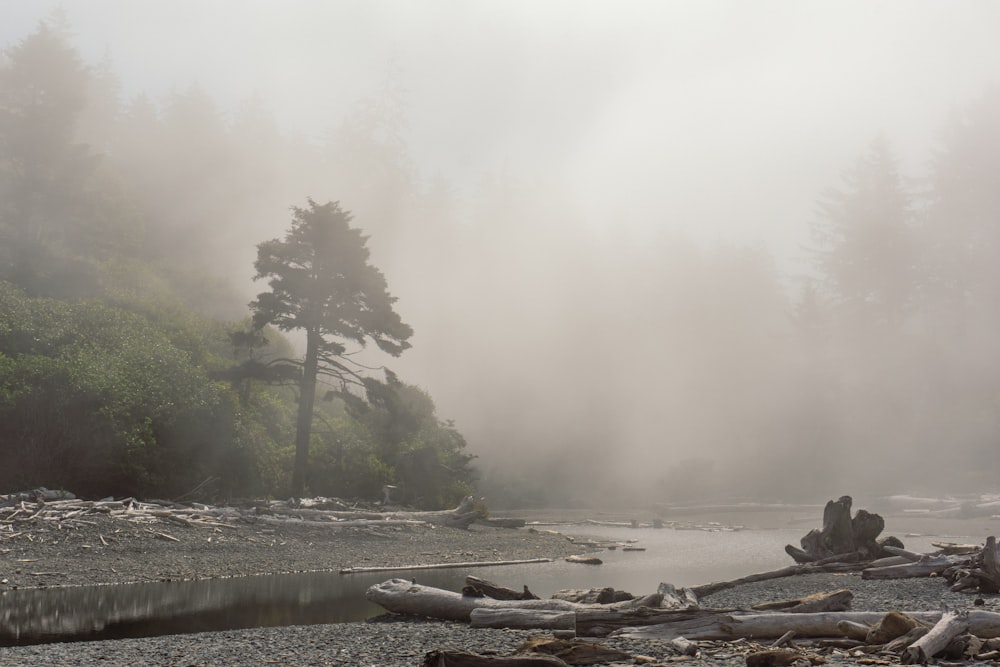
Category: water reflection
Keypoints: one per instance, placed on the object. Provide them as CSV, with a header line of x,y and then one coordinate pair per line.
x,y
138,610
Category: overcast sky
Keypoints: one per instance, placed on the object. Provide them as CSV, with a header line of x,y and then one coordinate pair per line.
x,y
723,119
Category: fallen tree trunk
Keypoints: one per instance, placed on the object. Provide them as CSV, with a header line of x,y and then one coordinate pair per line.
x,y
522,619
792,570
442,566
446,658
839,600
345,523
404,597
484,588
921,568
950,625
461,516
730,626
598,622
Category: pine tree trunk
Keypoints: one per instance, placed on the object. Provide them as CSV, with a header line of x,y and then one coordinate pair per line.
x,y
303,424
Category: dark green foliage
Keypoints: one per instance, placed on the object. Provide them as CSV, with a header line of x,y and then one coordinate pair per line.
x,y
116,364
427,456
100,401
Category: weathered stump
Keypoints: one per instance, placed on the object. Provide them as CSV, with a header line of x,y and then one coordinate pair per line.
x,y
841,536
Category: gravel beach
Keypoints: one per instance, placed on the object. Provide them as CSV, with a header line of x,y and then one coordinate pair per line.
x,y
111,551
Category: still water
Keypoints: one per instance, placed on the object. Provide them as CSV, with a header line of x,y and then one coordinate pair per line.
x,y
679,557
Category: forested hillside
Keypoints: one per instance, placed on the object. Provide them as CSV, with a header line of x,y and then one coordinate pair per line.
x,y
123,336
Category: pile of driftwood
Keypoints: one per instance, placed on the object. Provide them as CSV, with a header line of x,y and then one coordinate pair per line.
x,y
61,509
805,628
848,543
18,516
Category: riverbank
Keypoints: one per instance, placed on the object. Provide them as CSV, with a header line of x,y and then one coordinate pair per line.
x,y
108,550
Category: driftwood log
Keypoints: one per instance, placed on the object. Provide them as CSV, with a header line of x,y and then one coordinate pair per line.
x,y
522,619
574,651
732,626
982,571
950,625
446,658
838,600
482,588
401,596
922,568
442,566
705,590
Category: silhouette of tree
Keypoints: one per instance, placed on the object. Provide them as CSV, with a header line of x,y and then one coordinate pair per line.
x,y
322,284
865,247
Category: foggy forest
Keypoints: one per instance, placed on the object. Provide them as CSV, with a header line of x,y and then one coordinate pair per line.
x,y
580,337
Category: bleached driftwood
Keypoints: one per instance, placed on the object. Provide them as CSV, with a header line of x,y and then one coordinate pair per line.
x,y
404,597
347,523
684,646
461,516
595,621
838,600
731,626
522,619
921,568
442,566
950,625
792,570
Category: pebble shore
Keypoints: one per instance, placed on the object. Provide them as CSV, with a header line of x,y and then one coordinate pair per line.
x,y
132,553
384,642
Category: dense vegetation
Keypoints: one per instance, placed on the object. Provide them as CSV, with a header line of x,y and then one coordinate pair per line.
x,y
128,231
115,377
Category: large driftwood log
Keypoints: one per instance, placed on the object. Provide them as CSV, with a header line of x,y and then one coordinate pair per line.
x,y
950,625
792,570
461,516
484,588
404,597
838,600
446,658
522,619
732,626
921,568
442,566
573,651
596,621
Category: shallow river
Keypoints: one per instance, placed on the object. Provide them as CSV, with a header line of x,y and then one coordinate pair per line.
x,y
679,557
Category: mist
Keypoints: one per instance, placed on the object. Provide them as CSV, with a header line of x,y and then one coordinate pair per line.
x,y
601,219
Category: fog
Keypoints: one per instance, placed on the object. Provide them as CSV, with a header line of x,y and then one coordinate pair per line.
x,y
597,217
